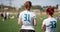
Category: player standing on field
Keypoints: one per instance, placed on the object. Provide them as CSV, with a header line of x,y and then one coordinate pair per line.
x,y
27,18
49,24
7,14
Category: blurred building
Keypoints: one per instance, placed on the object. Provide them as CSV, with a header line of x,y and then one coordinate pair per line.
x,y
5,8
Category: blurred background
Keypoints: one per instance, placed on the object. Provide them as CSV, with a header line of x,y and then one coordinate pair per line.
x,y
14,7
18,5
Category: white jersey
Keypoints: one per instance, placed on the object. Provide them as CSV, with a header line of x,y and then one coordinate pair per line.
x,y
50,24
7,13
27,19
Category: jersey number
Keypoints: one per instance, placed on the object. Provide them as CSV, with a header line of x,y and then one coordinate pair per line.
x,y
53,24
27,17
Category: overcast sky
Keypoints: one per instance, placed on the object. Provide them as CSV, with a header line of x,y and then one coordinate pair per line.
x,y
19,3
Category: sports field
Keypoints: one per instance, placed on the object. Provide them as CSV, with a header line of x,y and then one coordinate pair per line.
x,y
11,25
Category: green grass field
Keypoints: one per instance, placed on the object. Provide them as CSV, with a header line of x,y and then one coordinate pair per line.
x,y
11,25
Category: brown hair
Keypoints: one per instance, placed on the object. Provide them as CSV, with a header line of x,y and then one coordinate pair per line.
x,y
28,4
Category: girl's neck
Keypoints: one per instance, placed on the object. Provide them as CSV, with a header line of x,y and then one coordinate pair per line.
x,y
27,10
50,16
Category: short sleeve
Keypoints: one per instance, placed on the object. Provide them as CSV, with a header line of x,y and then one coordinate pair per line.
x,y
44,22
34,16
20,15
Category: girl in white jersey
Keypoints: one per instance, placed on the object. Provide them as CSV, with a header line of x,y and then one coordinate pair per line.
x,y
49,24
27,19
